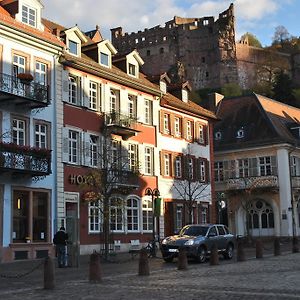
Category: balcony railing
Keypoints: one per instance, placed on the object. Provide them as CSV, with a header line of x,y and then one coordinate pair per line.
x,y
33,94
255,182
23,159
122,178
119,124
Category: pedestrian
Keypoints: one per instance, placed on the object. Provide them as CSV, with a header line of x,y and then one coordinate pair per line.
x,y
60,241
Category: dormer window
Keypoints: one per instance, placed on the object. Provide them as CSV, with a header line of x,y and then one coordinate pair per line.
x,y
104,59
29,15
218,135
73,47
240,133
163,86
132,70
184,95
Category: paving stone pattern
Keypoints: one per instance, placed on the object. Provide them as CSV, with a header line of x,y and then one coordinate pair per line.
x,y
267,278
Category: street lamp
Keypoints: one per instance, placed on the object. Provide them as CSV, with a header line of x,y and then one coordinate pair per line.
x,y
154,194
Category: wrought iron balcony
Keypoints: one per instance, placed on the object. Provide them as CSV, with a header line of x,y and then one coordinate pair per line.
x,y
124,178
295,181
244,183
22,92
24,159
122,125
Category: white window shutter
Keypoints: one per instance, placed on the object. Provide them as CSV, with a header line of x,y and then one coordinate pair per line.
x,y
65,145
85,151
65,85
141,155
85,101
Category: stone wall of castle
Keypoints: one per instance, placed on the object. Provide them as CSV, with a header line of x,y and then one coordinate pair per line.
x,y
204,46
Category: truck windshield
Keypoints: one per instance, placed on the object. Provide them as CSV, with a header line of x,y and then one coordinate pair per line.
x,y
194,230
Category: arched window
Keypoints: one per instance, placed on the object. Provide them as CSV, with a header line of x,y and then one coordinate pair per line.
x,y
132,212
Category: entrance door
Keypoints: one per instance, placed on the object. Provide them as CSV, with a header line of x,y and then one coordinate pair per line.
x,y
72,228
260,218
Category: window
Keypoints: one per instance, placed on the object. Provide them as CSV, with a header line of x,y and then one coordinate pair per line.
x,y
148,111
28,15
73,147
30,216
177,126
179,217
132,69
243,167
132,157
41,136
41,73
104,59
148,53
115,154
116,214
167,165
218,135
19,63
201,137
204,212
190,168
265,166
219,171
184,96
73,47
93,95
131,106
240,133
149,161
189,130
132,211
205,22
163,86
74,90
202,170
94,150
166,123
178,167
113,101
161,50
19,132
94,217
147,215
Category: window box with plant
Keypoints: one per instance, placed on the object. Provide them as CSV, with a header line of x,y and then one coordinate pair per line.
x,y
25,78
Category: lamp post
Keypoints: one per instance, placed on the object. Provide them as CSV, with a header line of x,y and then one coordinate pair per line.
x,y
154,193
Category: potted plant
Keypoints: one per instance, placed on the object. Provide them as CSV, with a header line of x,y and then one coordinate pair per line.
x,y
25,78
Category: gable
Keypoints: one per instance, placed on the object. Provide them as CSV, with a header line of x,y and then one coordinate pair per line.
x,y
243,123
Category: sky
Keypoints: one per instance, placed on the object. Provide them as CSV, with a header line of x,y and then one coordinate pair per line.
x,y
259,17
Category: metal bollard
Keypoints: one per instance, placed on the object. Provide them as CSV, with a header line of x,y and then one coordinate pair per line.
x,y
214,256
240,252
277,251
49,278
259,249
295,245
144,263
182,259
95,274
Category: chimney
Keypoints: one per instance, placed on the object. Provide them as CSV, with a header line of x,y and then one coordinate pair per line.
x,y
213,101
56,32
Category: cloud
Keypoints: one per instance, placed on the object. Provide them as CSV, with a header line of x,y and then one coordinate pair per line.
x,y
134,15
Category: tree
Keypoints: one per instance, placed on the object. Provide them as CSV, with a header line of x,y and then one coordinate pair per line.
x,y
282,88
189,189
231,90
252,40
281,35
116,173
